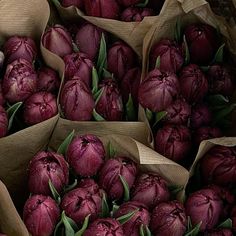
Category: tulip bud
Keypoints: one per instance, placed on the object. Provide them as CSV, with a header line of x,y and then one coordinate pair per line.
x,y
2,58
41,215
76,3
204,206
48,80
58,40
76,100
110,105
150,189
233,217
218,166
18,47
141,216
127,3
135,14
102,8
219,232
86,155
171,56
193,83
103,227
220,80
89,185
120,58
173,142
79,203
109,178
47,166
78,64
3,122
168,218
39,107
20,81
158,90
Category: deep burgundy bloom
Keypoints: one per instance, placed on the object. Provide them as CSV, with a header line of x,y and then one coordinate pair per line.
x,y
3,122
127,3
76,3
219,232
136,14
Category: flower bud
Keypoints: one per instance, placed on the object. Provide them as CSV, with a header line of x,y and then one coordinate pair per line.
x,y
58,40
233,217
90,185
41,215
76,100
219,232
193,83
173,142
76,3
150,189
135,14
109,178
18,47
120,58
158,90
127,3
47,166
168,218
141,216
20,81
171,56
3,122
2,59
204,206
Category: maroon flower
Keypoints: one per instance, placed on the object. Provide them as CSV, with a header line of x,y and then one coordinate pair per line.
x,y
136,14
76,3
219,232
127,3
90,185
3,122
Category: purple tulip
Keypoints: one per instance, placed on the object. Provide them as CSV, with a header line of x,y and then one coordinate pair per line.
x,y
2,59
102,8
204,206
173,142
127,3
48,80
233,217
168,218
76,100
218,166
120,58
142,216
110,105
58,40
90,185
136,14
86,155
202,43
20,81
39,107
193,83
47,166
41,215
18,47
109,178
104,227
76,3
78,64
150,189
171,56
3,122
219,232
158,90
79,203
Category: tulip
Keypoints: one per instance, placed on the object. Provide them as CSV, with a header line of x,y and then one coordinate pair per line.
x,y
2,99
171,56
86,155
173,142
127,3
3,122
40,215
102,8
79,203
58,40
135,14
141,216
204,206
47,166
168,218
78,64
219,232
220,80
20,81
193,83
89,185
110,105
120,58
76,100
109,176
48,80
233,217
218,166
158,90
76,3
88,38
104,227
39,107
2,59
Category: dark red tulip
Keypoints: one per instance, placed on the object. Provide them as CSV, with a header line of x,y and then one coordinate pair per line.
x,y
76,3
127,3
136,14
219,232
3,122
89,185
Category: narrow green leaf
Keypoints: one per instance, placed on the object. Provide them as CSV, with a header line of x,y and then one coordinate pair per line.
x,y
195,231
64,145
216,100
131,112
205,68
54,192
189,224
126,188
107,74
98,95
187,54
69,231
158,62
220,115
219,55
227,224
102,56
175,189
56,3
59,229
178,30
149,114
95,81
71,186
97,117
111,150
11,112
148,232
75,47
115,207
159,116
84,227
141,230
142,4
125,218
72,224
105,207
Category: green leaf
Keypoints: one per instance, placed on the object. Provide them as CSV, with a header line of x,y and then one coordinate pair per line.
x,y
95,81
105,207
148,232
175,189
131,112
56,3
125,218
149,114
75,47
107,74
126,188
159,116
187,54
178,30
111,150
115,207
219,55
98,95
102,56
84,227
11,112
227,224
59,229
71,186
158,62
69,231
220,115
195,231
97,117
64,145
141,230
216,100
54,192
205,68
143,4
189,224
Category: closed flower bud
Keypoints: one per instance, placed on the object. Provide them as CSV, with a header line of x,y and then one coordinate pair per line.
x,y
3,122
135,14
127,3
90,185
